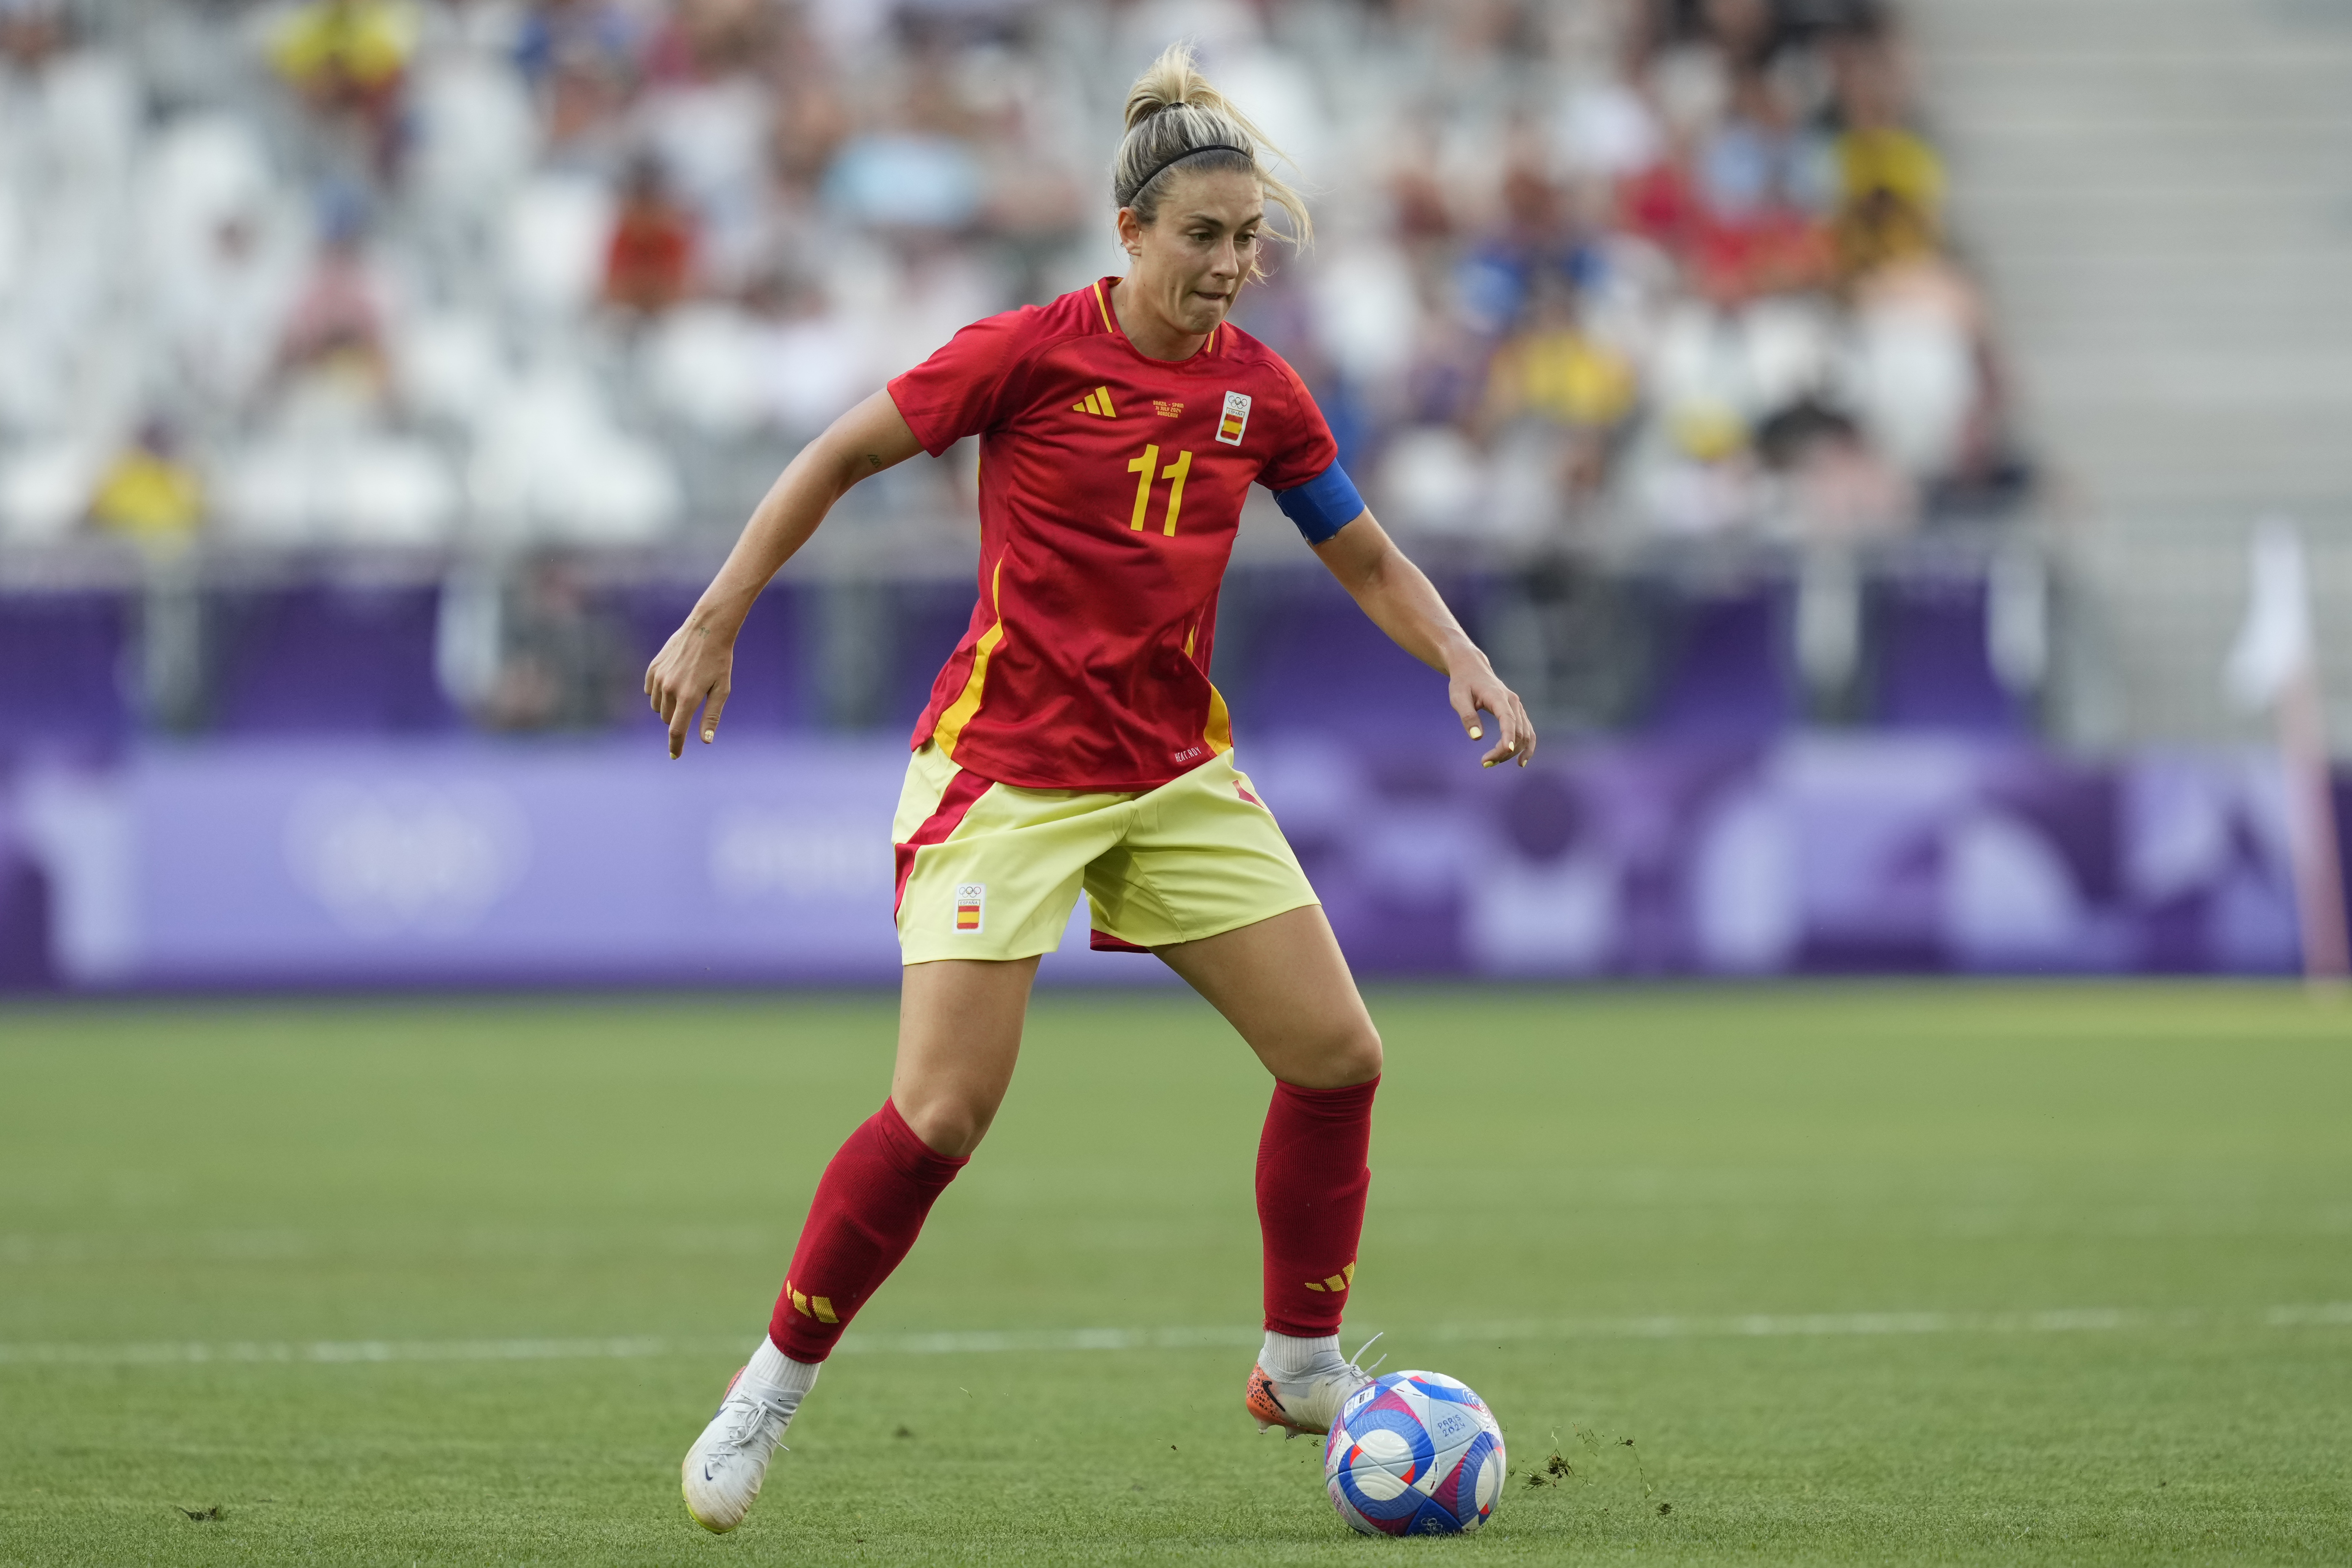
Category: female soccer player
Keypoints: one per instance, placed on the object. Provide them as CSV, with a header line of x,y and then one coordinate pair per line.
x,y
1073,740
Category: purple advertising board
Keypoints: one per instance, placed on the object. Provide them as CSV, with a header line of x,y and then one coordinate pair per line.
x,y
472,862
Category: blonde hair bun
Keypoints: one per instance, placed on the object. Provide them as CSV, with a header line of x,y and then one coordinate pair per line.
x,y
1174,114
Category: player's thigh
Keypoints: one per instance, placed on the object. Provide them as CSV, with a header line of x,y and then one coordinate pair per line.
x,y
1284,985
1203,855
960,1023
988,871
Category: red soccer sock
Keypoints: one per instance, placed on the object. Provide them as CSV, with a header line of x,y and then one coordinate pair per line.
x,y
868,1209
1311,1183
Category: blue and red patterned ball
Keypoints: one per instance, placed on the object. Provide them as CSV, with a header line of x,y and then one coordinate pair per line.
x,y
1414,1453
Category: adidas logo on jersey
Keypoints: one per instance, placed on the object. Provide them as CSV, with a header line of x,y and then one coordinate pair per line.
x,y
1097,402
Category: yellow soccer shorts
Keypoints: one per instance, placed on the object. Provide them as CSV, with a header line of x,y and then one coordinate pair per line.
x,y
992,870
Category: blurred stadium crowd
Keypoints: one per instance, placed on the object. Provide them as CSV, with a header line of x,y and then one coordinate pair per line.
x,y
542,292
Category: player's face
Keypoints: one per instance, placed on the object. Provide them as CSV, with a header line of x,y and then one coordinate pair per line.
x,y
1191,259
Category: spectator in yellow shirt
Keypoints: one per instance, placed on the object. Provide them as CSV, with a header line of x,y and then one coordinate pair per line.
x,y
349,60
147,493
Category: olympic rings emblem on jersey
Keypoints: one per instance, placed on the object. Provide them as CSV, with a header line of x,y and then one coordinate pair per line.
x,y
1235,420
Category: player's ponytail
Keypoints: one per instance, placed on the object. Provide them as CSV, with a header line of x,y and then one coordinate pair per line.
x,y
1175,120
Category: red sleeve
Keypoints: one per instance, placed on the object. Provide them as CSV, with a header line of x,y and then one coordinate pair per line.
x,y
959,390
1305,447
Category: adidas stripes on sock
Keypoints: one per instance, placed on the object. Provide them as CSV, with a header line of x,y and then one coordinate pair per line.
x,y
1311,1185
867,1211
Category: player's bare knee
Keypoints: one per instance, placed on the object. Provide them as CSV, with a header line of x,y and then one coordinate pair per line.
x,y
1336,1058
948,1126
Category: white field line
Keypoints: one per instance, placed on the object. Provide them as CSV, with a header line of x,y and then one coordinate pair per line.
x,y
1751,1325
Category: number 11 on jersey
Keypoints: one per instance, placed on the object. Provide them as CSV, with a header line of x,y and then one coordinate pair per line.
x,y
1146,468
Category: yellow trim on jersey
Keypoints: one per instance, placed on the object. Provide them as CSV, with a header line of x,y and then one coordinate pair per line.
x,y
1103,307
950,729
1220,732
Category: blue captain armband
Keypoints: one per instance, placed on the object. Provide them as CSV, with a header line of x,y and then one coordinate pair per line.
x,y
1323,505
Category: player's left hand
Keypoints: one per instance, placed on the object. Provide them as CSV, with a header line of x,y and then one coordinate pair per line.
x,y
694,670
1480,691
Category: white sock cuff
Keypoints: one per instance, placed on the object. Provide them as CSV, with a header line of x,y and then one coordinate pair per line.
x,y
1286,1356
777,1370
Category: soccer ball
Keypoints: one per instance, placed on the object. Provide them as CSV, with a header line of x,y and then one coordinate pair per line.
x,y
1414,1453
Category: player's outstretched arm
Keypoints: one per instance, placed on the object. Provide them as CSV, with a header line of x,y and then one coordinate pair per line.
x,y
1402,602
694,668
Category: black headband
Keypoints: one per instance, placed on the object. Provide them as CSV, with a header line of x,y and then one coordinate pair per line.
x,y
1186,153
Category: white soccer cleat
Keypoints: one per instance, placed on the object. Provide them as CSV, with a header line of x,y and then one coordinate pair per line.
x,y
1305,1407
724,1469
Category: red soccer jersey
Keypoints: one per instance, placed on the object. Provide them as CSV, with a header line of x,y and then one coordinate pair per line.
x,y
1110,489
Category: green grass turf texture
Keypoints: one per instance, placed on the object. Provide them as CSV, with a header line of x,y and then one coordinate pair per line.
x,y
436,1171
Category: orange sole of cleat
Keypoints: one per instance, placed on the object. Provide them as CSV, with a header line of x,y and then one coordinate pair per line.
x,y
1265,1406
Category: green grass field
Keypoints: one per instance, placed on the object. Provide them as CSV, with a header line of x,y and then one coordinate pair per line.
x,y
1882,1274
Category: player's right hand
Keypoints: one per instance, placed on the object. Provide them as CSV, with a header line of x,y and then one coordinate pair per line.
x,y
1482,690
693,671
